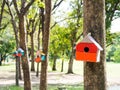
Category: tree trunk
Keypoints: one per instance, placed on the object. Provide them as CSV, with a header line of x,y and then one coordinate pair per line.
x,y
20,76
54,64
70,65
0,63
25,65
0,60
44,64
17,71
32,53
37,73
62,67
94,23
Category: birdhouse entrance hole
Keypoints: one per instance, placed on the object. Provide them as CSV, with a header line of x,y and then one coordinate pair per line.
x,y
86,49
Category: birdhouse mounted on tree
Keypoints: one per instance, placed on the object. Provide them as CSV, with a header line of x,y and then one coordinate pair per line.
x,y
88,50
40,56
19,52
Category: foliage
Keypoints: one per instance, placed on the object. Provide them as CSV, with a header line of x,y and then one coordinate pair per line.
x,y
112,12
7,43
59,41
117,55
113,50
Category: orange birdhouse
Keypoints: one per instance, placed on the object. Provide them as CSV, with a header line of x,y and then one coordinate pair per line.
x,y
38,59
88,50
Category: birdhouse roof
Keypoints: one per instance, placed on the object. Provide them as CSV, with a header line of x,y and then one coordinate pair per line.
x,y
90,39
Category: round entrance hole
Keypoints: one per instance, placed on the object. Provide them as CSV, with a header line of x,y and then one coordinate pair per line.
x,y
86,49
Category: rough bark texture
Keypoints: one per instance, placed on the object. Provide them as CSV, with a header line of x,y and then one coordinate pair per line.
x,y
25,65
44,64
32,52
94,23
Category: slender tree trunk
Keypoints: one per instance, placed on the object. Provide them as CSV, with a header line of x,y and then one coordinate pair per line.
x,y
37,73
62,67
94,23
70,65
44,64
20,75
54,64
0,59
0,62
25,65
32,53
17,71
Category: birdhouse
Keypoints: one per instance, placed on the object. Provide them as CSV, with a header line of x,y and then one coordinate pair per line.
x,y
41,55
38,59
15,53
88,50
20,52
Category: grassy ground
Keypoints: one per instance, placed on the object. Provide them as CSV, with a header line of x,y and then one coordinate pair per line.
x,y
112,70
49,88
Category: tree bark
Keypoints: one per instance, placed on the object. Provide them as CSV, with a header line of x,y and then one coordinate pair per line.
x,y
32,53
37,72
17,71
94,23
54,64
44,64
25,65
70,65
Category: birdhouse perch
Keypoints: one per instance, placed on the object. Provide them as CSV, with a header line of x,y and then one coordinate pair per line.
x,y
88,50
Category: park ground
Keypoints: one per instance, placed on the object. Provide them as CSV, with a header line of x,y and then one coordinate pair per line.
x,y
7,75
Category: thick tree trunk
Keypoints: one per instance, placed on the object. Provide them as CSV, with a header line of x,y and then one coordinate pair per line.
x,y
25,65
94,23
32,53
44,64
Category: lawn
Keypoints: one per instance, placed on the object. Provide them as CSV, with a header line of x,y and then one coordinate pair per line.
x,y
49,87
111,69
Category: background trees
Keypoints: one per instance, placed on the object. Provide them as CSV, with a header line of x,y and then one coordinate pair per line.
x,y
28,18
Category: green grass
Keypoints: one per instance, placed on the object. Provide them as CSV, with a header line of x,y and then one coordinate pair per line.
x,y
11,88
112,70
50,87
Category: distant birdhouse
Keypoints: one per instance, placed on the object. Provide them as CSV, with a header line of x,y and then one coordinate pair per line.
x,y
15,53
38,59
20,52
40,56
88,50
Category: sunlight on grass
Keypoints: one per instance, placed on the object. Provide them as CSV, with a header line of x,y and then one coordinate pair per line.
x,y
11,88
50,87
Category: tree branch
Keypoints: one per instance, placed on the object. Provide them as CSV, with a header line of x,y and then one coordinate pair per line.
x,y
56,4
2,8
16,7
28,6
